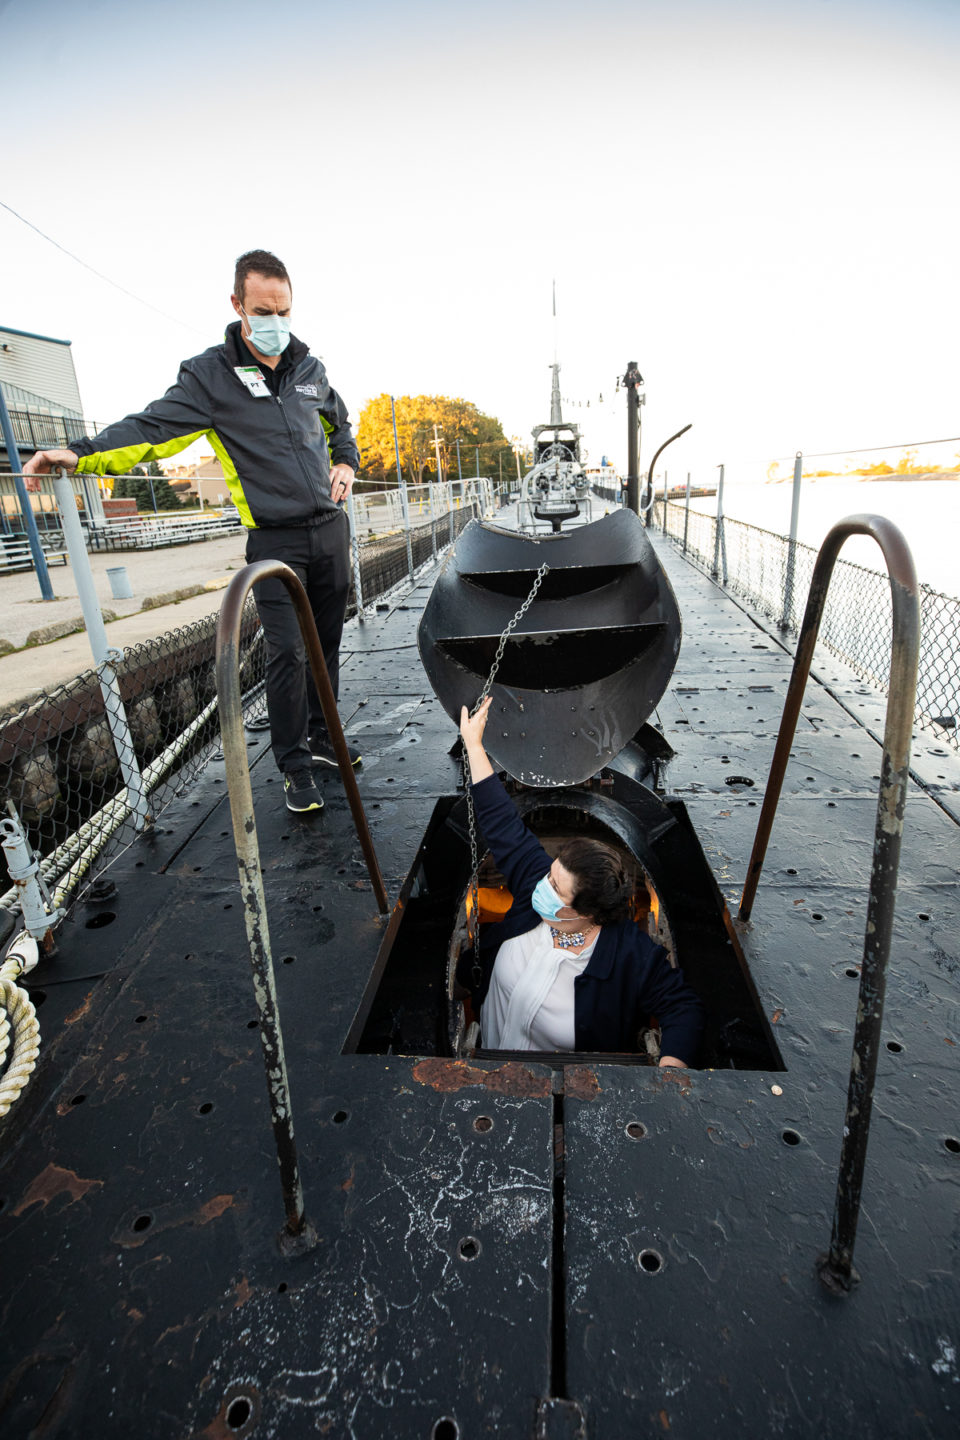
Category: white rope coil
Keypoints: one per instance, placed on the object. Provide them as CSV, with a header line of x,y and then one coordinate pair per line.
x,y
18,1015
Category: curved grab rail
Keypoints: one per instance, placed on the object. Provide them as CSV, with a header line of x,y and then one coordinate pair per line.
x,y
836,1267
298,1234
647,500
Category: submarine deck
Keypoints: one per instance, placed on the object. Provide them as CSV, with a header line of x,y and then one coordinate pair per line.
x,y
504,1249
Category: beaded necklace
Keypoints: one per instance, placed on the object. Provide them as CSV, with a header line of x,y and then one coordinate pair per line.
x,y
569,940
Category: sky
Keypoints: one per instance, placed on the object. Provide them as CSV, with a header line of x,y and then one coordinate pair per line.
x,y
757,202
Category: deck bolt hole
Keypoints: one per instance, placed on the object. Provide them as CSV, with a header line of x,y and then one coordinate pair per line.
x,y
253,1024
635,1130
952,1144
483,1123
78,1099
142,1222
469,1248
815,915
289,959
923,916
139,1019
282,1288
650,1261
445,1429
340,1117
790,1137
853,972
97,922
791,871
205,1108
238,1413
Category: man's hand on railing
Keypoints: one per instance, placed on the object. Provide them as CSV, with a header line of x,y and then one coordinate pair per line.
x,y
43,462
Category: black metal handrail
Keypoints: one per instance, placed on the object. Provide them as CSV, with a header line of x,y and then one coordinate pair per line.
x,y
836,1267
297,1233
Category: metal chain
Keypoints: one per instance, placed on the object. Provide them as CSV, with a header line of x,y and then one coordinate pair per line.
x,y
473,916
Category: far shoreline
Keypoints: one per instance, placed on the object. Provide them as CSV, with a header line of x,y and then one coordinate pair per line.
x,y
870,479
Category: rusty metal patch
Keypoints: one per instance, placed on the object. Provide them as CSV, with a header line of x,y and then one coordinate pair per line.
x,y
580,1082
51,1182
671,1075
446,1076
132,1233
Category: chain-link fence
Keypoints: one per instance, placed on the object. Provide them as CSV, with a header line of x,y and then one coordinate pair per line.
x,y
59,763
857,623
384,561
60,760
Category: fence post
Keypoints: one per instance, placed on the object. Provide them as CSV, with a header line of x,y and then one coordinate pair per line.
x,y
665,502
404,499
433,522
105,656
686,515
792,547
355,555
719,541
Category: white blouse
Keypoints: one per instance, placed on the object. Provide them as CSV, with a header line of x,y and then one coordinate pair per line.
x,y
529,1005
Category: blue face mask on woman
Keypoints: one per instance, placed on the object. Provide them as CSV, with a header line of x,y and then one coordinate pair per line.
x,y
270,334
545,900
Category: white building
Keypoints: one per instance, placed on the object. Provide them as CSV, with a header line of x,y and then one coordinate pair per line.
x,y
39,384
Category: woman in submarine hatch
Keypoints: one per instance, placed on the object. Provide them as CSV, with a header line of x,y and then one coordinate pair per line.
x,y
572,969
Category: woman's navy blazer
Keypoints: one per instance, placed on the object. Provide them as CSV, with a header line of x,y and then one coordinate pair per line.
x,y
628,977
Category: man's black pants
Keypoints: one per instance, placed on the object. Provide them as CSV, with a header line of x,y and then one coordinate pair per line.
x,y
319,556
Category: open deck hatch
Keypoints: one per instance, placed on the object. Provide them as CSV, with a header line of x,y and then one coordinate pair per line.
x,y
415,1004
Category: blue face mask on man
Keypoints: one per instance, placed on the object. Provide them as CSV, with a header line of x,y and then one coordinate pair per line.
x,y
270,334
545,900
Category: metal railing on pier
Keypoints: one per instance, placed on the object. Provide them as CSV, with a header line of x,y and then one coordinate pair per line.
x,y
856,624
59,763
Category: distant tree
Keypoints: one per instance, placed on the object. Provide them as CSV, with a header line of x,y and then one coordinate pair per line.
x,y
147,484
456,419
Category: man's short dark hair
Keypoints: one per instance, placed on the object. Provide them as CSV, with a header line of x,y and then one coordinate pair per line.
x,y
258,262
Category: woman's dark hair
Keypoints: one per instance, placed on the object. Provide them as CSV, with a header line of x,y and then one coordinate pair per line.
x,y
601,889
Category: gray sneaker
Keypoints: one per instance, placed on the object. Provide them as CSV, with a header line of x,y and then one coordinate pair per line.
x,y
301,793
323,753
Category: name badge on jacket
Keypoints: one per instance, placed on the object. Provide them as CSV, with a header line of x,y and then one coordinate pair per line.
x,y
253,379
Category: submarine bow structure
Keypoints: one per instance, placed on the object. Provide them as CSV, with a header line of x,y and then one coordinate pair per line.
x,y
584,666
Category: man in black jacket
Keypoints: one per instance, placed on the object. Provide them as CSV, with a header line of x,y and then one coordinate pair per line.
x,y
288,455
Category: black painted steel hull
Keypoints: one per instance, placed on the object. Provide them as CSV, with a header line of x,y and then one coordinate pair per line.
x,y
586,664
